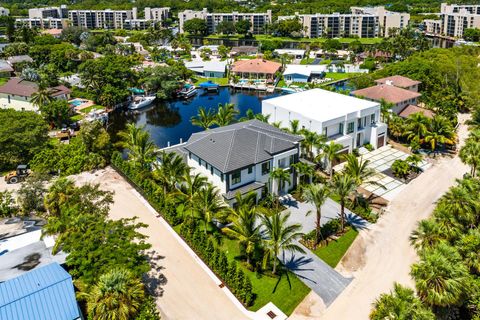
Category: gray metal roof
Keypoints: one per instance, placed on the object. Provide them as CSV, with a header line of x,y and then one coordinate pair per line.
x,y
240,145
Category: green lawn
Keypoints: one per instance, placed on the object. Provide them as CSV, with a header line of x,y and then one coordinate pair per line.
x,y
335,250
307,61
220,81
3,81
88,109
286,291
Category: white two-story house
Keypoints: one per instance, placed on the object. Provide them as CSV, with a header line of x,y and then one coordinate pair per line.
x,y
347,120
239,158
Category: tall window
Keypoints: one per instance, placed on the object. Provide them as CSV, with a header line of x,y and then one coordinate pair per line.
x,y
340,128
250,169
350,127
236,177
265,168
372,119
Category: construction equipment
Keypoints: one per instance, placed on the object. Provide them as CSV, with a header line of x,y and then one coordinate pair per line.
x,y
19,175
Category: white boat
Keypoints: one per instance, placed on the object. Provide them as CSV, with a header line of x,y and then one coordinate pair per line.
x,y
188,92
96,115
140,102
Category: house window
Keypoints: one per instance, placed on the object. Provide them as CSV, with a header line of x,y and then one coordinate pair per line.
x,y
350,127
236,177
282,163
211,170
359,121
372,119
250,169
292,159
340,128
265,168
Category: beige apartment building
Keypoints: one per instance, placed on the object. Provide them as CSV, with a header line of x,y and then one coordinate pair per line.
x,y
454,19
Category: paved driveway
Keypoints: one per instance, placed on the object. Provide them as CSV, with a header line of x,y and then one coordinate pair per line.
x,y
316,274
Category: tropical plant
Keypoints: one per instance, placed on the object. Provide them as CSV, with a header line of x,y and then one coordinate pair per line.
x,y
141,149
281,177
170,171
245,228
188,189
305,172
295,126
279,236
311,140
470,154
116,295
385,110
330,152
209,205
316,194
401,303
42,96
226,114
440,131
427,235
7,204
343,186
359,170
205,119
416,126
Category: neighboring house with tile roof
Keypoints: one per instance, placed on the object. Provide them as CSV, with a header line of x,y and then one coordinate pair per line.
x,y
256,69
399,97
400,82
17,94
239,158
411,109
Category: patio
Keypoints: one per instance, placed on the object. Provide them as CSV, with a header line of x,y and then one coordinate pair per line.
x,y
381,160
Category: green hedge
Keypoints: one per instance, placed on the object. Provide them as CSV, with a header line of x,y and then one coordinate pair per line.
x,y
232,276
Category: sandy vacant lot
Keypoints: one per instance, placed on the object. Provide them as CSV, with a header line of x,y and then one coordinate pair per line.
x,y
383,255
188,292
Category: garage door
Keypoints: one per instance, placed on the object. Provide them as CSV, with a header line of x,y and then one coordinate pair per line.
x,y
381,141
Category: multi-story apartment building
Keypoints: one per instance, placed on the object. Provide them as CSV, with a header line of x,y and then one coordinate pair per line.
x,y
361,22
101,19
258,20
454,19
50,12
432,26
45,23
157,14
4,11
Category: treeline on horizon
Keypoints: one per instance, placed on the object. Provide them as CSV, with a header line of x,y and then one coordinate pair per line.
x,y
282,7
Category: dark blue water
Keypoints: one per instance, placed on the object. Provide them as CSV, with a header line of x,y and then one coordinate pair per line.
x,y
168,122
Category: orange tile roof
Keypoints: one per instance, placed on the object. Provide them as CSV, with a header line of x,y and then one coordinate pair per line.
x,y
398,81
256,66
389,93
411,109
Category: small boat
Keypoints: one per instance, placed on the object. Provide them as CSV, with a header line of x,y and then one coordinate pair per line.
x,y
96,115
188,91
140,102
287,90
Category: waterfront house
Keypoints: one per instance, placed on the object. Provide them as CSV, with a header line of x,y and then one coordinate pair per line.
x,y
208,69
17,94
43,293
256,69
346,120
293,53
239,158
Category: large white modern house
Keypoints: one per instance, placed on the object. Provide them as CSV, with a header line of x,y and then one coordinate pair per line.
x,y
239,158
347,120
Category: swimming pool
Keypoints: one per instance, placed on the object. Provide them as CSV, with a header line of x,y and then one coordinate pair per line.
x,y
77,102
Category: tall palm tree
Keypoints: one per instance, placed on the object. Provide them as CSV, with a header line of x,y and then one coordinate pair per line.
x,y
42,97
208,205
116,295
427,234
279,236
295,126
281,176
416,125
226,114
188,189
311,140
343,186
141,149
58,193
316,194
205,119
401,303
330,153
170,171
440,131
470,155
304,171
245,228
441,278
359,170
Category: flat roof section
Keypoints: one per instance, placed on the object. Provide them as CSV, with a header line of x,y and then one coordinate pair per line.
x,y
321,105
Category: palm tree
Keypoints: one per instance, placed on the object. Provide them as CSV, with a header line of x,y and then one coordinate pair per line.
x,y
441,279
359,170
57,195
171,170
208,204
279,236
417,126
141,149
262,117
294,126
226,114
427,234
245,228
316,194
281,176
311,140
116,295
440,131
204,119
304,170
248,200
385,110
401,303
189,188
42,97
470,155
249,115
330,153
343,186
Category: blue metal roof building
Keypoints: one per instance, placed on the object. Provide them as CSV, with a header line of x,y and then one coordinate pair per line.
x,y
45,293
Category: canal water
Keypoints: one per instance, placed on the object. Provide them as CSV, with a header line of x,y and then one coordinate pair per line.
x,y
169,121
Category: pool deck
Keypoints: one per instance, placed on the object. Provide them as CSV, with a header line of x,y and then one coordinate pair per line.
x,y
86,104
